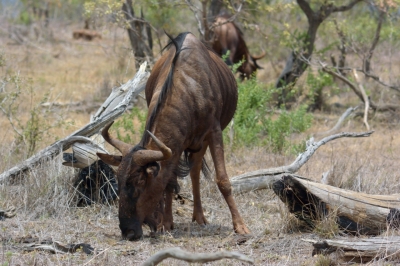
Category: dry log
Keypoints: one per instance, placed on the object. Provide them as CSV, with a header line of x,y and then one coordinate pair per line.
x,y
262,179
356,213
180,254
133,87
359,250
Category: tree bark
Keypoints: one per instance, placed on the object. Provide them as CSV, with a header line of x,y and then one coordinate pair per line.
x,y
358,250
356,213
298,60
139,33
109,111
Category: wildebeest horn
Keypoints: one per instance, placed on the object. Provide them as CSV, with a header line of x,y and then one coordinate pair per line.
x,y
123,147
256,57
143,157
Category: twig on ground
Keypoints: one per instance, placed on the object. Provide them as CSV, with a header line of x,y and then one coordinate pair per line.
x,y
180,254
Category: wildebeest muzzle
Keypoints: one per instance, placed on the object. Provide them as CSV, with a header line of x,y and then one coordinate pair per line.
x,y
131,229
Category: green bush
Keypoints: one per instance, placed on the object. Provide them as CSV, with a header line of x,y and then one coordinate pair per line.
x,y
125,128
257,123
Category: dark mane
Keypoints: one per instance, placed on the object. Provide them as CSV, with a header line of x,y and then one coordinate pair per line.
x,y
177,42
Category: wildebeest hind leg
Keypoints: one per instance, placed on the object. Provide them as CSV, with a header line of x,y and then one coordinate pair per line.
x,y
197,160
224,185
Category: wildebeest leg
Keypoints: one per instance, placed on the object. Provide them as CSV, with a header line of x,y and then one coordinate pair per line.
x,y
224,185
168,221
197,160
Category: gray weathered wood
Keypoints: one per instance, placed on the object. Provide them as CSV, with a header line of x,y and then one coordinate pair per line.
x,y
111,111
355,212
358,249
262,179
178,253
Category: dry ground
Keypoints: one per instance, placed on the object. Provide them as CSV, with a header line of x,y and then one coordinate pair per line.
x,y
84,72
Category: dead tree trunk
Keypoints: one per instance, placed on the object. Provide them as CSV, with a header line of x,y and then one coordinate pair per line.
x,y
109,111
356,213
358,250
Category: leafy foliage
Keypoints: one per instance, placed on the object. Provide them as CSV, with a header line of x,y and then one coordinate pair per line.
x,y
257,123
125,126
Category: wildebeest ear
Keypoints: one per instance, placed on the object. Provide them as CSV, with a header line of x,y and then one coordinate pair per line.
x,y
152,169
110,159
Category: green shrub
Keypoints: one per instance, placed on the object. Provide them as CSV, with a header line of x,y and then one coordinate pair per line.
x,y
256,122
125,126
280,129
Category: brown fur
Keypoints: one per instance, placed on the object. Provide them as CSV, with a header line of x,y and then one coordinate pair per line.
x,y
228,37
189,115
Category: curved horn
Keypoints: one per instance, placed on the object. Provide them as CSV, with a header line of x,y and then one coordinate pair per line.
x,y
143,157
123,147
257,57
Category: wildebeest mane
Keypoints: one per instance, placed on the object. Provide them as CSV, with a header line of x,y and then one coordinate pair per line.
x,y
183,168
177,42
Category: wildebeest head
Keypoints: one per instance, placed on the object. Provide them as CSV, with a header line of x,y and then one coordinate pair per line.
x,y
137,172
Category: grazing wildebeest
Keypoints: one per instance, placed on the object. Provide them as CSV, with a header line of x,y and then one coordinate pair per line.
x,y
192,96
228,37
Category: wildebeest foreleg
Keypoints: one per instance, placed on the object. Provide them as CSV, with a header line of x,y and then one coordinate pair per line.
x,y
197,160
168,222
224,185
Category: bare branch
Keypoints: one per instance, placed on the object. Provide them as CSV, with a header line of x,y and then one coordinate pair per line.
x,y
382,108
367,61
180,254
104,116
342,118
199,24
379,80
365,97
264,178
342,78
345,7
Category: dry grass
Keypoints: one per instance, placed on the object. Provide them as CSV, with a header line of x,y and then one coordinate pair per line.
x,y
79,71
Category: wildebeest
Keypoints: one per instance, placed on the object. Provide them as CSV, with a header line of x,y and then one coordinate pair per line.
x,y
192,96
228,37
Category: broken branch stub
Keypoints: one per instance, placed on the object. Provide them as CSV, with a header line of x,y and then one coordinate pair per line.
x,y
108,112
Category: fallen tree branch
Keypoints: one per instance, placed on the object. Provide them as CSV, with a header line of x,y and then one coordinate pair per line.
x,y
108,112
178,253
358,250
354,212
339,123
264,178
